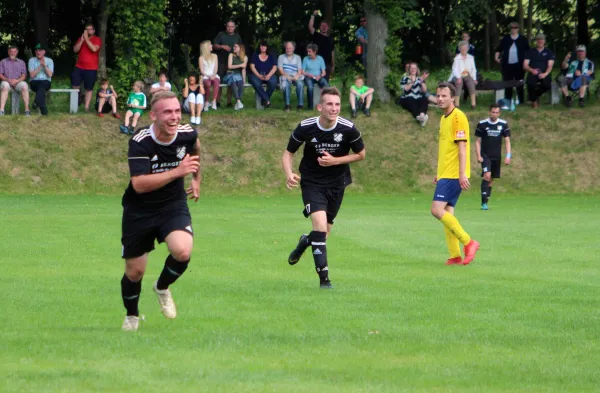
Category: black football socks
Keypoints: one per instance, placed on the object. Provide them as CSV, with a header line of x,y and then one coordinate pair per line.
x,y
319,249
486,190
171,272
130,292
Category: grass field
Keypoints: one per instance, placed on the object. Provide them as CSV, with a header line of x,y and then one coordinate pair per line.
x,y
522,318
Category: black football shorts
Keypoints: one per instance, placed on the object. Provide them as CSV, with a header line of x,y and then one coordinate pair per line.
x,y
141,228
322,199
493,166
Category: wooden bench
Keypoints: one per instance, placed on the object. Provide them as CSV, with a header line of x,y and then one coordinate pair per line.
x,y
258,101
15,99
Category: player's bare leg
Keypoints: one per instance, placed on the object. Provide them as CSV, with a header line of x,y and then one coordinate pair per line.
x,y
131,287
180,244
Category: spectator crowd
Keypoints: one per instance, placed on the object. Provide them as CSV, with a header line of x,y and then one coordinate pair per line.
x,y
226,62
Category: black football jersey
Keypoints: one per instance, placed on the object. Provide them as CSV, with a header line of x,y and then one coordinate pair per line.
x,y
147,156
492,134
337,141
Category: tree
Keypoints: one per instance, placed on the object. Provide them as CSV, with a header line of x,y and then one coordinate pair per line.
x,y
41,17
520,12
583,37
441,30
377,67
103,12
529,20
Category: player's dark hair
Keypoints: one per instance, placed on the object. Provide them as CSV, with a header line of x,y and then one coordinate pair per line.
x,y
495,106
162,72
103,81
449,86
332,91
89,24
13,46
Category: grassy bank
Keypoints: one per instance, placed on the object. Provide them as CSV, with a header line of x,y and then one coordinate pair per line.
x,y
555,151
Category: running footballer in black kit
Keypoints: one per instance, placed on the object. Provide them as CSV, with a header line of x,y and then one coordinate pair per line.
x,y
325,173
155,205
490,133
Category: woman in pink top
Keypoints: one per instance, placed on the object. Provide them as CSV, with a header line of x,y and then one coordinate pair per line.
x,y
208,65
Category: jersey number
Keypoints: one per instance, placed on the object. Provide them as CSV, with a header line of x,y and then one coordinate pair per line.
x,y
307,208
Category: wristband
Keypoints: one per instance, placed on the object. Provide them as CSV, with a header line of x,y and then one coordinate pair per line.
x,y
508,155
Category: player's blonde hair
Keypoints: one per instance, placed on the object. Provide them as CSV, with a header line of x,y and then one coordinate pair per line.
x,y
161,95
206,54
139,85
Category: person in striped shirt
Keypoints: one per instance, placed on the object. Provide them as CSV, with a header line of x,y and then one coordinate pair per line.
x,y
290,69
414,97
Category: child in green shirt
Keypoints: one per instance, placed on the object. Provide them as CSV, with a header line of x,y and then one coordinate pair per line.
x,y
361,96
136,104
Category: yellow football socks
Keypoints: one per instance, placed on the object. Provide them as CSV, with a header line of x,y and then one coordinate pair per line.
x,y
453,244
452,224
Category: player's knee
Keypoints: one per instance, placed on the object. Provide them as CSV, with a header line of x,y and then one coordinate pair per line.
x,y
134,273
182,254
437,212
487,176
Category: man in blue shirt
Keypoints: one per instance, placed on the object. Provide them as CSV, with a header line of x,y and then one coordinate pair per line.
x,y
313,68
41,69
362,35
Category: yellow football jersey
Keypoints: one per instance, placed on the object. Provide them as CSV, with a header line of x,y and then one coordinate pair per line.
x,y
453,128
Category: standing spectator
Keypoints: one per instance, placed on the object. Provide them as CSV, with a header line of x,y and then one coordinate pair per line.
x,y
193,94
290,69
13,73
41,69
236,73
464,73
106,100
208,64
313,69
162,84
413,97
362,36
223,44
512,47
324,42
578,75
262,71
465,36
361,95
538,63
87,48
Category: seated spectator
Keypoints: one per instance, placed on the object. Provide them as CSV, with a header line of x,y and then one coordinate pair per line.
x,y
162,84
464,73
361,96
136,102
290,71
578,74
193,94
538,63
106,100
313,69
208,64
262,72
414,97
41,69
236,73
13,73
466,37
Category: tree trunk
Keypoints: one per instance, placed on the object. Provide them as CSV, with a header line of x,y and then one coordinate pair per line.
x,y
487,45
583,36
441,33
41,17
103,12
377,67
529,21
520,13
328,12
494,36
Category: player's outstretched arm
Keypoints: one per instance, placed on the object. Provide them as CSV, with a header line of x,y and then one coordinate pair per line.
x,y
329,160
147,183
286,162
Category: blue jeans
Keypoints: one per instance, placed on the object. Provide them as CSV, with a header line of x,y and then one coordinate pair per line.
x,y
299,91
310,84
258,86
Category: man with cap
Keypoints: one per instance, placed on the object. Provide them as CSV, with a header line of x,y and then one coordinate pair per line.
x,y
13,73
41,69
578,74
538,63
512,48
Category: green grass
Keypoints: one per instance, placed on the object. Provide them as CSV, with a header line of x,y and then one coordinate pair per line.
x,y
522,318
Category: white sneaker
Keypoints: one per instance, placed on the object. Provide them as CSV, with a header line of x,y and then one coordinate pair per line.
x,y
206,107
419,118
425,119
198,121
131,323
240,105
165,300
236,106
214,105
